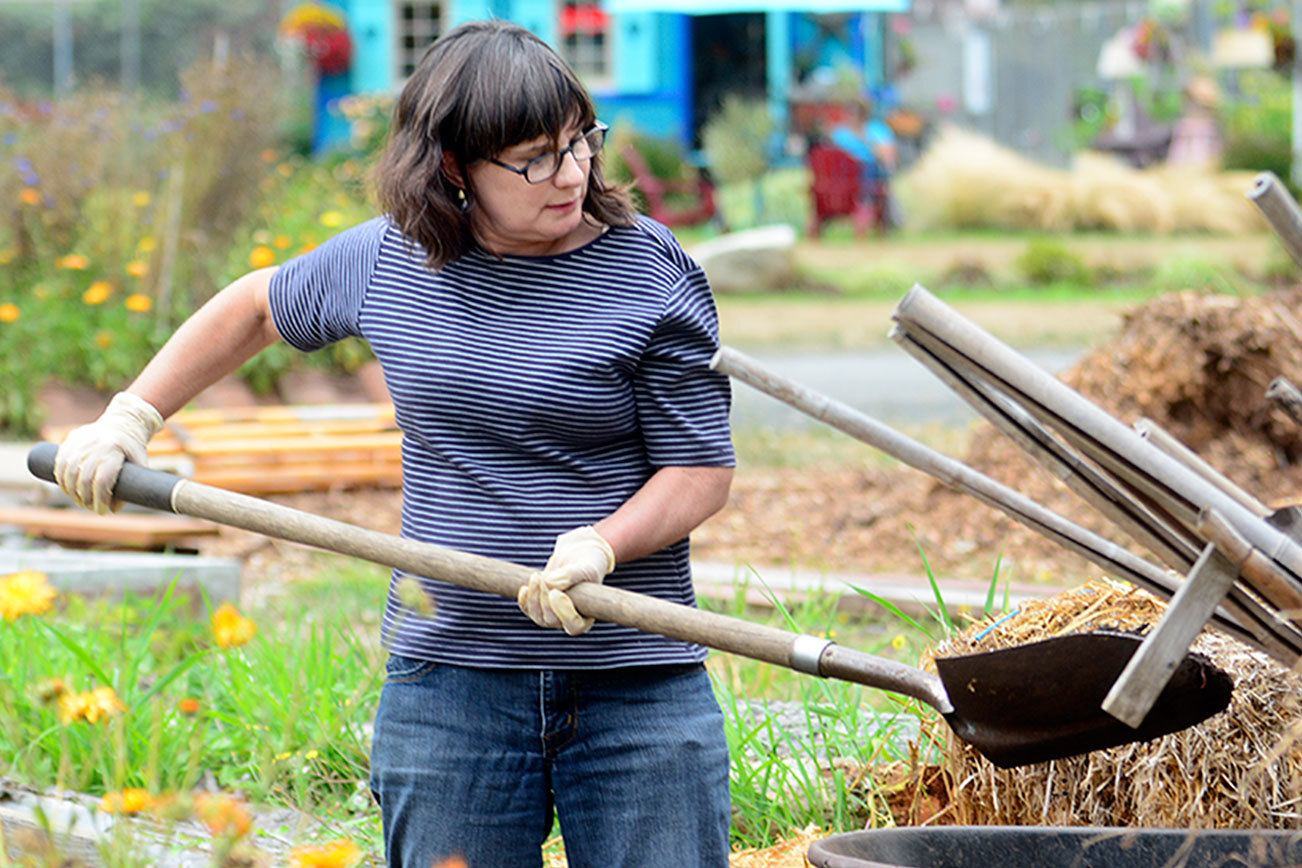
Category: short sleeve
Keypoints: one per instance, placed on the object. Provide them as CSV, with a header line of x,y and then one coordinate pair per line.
x,y
683,405
316,299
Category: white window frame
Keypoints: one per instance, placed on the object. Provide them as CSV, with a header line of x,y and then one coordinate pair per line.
x,y
426,29
580,56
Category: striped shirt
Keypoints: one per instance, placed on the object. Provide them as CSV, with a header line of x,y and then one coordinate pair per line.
x,y
535,394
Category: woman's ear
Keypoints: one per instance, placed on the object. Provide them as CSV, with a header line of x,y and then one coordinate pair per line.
x,y
452,171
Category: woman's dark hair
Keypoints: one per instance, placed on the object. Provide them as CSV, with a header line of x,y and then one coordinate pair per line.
x,y
479,89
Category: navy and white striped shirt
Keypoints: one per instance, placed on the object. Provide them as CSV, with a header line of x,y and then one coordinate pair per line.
x,y
535,394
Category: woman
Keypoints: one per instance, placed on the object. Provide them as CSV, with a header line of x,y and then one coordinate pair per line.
x,y
547,352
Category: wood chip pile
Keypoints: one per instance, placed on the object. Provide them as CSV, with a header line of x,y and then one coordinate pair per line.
x,y
1238,769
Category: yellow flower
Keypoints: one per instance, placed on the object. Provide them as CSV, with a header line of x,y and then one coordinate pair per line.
x,y
285,170
7,255
230,628
9,312
224,815
147,244
103,340
306,248
138,302
99,704
332,219
898,642
262,256
132,800
30,196
98,292
137,268
40,291
140,199
72,262
282,242
336,854
25,593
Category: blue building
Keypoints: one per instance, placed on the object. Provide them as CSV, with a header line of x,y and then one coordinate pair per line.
x,y
661,65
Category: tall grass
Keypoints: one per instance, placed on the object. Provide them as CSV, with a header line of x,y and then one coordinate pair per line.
x,y
283,720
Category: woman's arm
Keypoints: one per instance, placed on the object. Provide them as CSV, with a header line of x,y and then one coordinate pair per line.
x,y
222,335
672,503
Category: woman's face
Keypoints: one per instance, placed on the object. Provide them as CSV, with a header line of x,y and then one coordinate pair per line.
x,y
513,216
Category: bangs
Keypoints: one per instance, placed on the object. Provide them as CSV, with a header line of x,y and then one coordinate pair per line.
x,y
509,102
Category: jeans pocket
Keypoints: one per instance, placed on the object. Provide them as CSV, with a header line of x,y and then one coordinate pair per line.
x,y
404,670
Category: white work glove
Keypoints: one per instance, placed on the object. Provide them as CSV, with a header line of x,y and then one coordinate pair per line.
x,y
90,457
580,555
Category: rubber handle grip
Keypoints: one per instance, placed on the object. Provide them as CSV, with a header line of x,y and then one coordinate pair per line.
x,y
136,484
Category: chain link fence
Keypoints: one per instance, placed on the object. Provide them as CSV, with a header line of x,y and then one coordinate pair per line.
x,y
52,47
1017,76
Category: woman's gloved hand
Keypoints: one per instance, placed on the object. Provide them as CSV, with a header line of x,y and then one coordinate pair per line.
x,y
90,457
580,555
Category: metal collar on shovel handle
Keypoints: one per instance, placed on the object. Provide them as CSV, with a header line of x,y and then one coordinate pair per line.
x,y
1016,706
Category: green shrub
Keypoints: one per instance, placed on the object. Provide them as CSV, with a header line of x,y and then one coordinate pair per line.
x,y
1046,261
1257,125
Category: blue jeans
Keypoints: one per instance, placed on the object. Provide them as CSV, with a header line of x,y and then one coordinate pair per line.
x,y
471,762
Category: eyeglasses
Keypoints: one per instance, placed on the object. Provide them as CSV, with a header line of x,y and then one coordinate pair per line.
x,y
543,168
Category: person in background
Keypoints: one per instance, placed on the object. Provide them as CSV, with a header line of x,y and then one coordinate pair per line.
x,y
1196,137
547,351
870,140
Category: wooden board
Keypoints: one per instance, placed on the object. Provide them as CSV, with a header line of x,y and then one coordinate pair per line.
x,y
83,526
281,450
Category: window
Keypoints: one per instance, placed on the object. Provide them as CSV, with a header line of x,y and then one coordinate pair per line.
x,y
585,40
417,24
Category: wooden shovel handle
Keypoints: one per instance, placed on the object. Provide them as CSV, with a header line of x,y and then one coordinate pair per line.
x,y
164,491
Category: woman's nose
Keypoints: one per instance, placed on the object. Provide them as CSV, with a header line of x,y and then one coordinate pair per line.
x,y
571,173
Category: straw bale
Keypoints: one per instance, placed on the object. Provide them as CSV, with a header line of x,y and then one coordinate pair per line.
x,y
1239,769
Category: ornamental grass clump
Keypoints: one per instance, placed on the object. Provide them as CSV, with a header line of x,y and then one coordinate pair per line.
x,y
965,180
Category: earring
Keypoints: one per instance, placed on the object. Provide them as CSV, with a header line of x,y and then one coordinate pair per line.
x,y
462,199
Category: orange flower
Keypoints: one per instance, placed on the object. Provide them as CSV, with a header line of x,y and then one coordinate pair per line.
x,y
224,815
137,268
269,155
98,292
72,262
282,242
25,593
336,854
30,196
189,706
103,340
132,800
138,302
230,628
9,312
262,256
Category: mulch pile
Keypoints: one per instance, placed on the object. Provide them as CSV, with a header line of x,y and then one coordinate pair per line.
x,y
1198,365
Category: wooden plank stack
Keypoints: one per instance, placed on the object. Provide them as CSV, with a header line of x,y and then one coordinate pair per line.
x,y
280,449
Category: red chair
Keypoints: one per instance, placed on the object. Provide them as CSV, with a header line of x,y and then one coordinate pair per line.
x,y
699,193
836,190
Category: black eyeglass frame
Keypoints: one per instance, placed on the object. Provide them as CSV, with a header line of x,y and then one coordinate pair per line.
x,y
558,156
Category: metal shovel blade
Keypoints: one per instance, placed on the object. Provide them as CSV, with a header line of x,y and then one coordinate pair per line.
x,y
1043,700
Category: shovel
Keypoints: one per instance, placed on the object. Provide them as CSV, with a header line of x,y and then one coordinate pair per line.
x,y
1017,706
